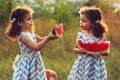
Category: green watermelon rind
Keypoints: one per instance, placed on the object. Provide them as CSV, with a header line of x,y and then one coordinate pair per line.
x,y
54,31
90,52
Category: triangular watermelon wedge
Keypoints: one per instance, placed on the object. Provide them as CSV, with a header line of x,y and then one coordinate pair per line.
x,y
51,75
58,30
94,47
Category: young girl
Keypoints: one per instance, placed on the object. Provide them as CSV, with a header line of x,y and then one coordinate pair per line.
x,y
90,66
28,65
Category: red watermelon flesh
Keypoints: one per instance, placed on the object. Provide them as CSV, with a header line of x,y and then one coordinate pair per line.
x,y
51,75
94,47
58,30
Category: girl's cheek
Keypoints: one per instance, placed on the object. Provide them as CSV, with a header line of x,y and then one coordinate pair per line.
x,y
29,21
80,22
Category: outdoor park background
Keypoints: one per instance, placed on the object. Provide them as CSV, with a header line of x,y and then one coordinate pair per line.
x,y
58,54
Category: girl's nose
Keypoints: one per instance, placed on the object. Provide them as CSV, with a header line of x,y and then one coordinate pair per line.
x,y
31,21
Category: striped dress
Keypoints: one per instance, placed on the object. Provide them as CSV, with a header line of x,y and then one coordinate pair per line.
x,y
88,66
28,65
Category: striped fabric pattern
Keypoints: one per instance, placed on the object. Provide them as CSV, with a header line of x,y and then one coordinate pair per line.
x,y
28,65
88,66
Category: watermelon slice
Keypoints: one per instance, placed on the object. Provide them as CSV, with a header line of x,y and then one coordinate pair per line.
x,y
51,75
94,47
58,30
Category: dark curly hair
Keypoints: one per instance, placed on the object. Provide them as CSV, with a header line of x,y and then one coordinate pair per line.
x,y
95,16
17,15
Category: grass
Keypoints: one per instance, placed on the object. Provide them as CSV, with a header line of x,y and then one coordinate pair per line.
x,y
112,64
58,54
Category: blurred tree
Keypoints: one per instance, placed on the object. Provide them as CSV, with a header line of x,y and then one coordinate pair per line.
x,y
63,13
5,9
92,2
57,1
103,5
39,2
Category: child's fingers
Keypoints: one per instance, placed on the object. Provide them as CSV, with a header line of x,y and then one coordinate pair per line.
x,y
105,54
82,51
52,37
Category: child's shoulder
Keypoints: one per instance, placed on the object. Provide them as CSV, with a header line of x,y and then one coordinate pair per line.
x,y
24,34
79,34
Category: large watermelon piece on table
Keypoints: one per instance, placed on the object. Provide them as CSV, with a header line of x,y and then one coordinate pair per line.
x,y
93,47
58,30
51,75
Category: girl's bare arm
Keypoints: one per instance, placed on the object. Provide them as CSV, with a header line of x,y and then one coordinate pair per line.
x,y
37,46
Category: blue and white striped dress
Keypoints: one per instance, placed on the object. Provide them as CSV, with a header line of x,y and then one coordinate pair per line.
x,y
28,65
88,66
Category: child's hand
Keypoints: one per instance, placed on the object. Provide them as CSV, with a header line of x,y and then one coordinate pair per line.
x,y
82,51
104,53
51,36
79,51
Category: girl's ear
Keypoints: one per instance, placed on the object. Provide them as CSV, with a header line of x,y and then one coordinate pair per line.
x,y
20,23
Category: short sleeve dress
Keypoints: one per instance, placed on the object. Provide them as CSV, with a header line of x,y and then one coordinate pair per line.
x,y
28,65
88,66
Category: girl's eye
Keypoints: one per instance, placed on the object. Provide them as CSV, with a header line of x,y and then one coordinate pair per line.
x,y
83,20
29,19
